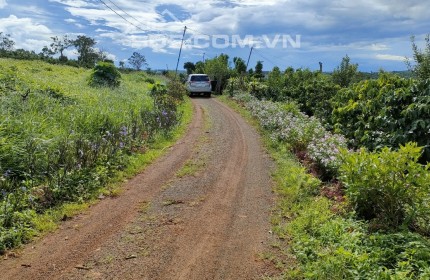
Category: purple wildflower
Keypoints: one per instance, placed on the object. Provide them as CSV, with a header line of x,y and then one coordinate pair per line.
x,y
123,131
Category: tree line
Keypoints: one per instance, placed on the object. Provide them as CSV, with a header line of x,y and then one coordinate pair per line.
x,y
220,69
88,54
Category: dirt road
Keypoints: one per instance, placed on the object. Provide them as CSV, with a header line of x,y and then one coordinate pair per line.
x,y
200,212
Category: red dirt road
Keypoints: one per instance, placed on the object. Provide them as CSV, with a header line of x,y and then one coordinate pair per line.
x,y
200,212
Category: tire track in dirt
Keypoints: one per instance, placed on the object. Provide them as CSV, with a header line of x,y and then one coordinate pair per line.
x,y
210,224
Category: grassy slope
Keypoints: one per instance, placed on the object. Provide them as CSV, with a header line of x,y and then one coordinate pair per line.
x,y
59,104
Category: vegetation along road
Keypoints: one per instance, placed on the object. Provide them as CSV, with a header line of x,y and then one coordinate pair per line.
x,y
200,212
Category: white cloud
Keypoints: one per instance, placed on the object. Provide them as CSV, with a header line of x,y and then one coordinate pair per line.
x,y
378,47
327,28
3,4
390,57
75,3
71,53
26,33
342,22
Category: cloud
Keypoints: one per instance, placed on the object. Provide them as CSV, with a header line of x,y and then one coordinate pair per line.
x,y
378,47
26,33
390,57
365,29
75,3
338,22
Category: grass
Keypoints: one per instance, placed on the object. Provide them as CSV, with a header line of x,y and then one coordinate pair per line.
x,y
63,142
49,221
198,161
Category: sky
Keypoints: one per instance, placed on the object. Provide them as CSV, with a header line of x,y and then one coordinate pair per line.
x,y
375,34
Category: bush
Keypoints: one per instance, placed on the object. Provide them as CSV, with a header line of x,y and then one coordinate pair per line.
x,y
390,188
166,102
389,111
324,238
105,74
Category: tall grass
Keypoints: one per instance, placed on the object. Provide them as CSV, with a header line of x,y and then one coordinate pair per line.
x,y
61,140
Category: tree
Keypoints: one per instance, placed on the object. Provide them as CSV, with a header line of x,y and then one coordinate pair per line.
x,y
200,67
87,54
59,45
346,73
6,43
46,52
422,59
239,65
137,60
275,82
190,67
258,73
122,64
217,68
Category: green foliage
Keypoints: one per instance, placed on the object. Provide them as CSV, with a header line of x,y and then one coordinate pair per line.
x,y
87,54
388,111
62,140
323,238
105,74
190,67
275,83
421,69
346,73
6,43
236,85
389,187
329,246
200,67
239,66
311,90
166,101
217,68
258,73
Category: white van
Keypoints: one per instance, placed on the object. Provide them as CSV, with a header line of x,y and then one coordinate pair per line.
x,y
198,84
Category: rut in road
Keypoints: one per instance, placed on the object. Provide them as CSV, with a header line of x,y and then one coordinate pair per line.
x,y
209,220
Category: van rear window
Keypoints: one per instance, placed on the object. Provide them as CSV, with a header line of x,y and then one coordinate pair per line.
x,y
199,78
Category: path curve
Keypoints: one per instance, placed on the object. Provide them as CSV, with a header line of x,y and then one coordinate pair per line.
x,y
210,222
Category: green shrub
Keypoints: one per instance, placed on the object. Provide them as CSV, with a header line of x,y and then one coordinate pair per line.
x,y
149,80
324,240
389,187
105,74
166,102
388,111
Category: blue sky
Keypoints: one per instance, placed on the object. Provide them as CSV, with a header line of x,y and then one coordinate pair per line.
x,y
375,34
